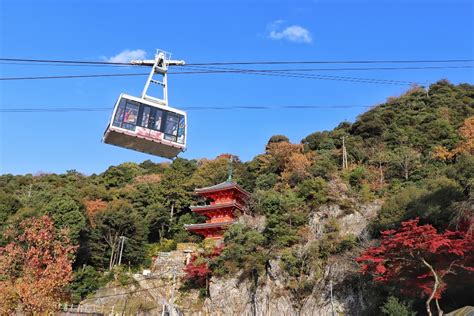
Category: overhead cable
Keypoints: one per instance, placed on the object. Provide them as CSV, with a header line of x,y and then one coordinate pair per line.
x,y
71,76
251,70
31,60
331,62
275,74
335,69
296,75
189,108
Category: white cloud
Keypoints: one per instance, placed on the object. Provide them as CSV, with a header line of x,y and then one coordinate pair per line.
x,y
293,33
275,24
127,55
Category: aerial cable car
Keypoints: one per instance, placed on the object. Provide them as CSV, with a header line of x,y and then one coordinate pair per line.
x,y
147,123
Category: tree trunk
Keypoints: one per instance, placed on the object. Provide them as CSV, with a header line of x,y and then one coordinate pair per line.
x,y
111,258
161,232
381,179
406,170
435,288
111,241
172,212
440,311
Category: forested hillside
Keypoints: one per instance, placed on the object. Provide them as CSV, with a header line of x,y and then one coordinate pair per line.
x,y
414,154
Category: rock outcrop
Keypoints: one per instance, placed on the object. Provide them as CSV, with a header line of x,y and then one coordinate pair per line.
x,y
270,297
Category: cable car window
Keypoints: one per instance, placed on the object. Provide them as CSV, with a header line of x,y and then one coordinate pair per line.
x,y
145,120
126,116
131,114
171,127
119,115
158,119
181,129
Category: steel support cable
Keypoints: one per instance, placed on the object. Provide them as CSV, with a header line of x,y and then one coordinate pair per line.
x,y
31,60
82,62
268,72
66,64
331,62
72,76
283,73
332,69
275,74
189,108
260,70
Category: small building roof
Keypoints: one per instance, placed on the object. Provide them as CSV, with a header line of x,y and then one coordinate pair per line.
x,y
208,225
221,187
202,208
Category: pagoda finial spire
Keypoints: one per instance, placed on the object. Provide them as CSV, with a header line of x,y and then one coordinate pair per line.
x,y
230,168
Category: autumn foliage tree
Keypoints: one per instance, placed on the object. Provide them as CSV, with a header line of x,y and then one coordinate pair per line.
x,y
197,271
420,258
466,132
466,145
35,267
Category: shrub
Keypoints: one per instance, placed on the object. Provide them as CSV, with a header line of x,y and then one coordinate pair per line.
x,y
357,176
86,281
393,307
313,190
266,181
324,166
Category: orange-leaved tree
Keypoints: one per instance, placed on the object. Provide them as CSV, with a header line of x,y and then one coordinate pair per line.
x,y
465,145
35,267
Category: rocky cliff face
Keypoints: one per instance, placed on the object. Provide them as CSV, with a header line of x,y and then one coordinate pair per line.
x,y
270,297
229,297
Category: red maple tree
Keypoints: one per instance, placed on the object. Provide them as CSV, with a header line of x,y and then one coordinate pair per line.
x,y
197,271
35,267
419,257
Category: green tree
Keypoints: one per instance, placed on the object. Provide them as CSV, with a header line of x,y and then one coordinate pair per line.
x,y
67,213
266,181
278,139
313,191
406,160
174,190
285,213
318,141
393,307
118,176
325,165
86,280
358,177
119,219
432,200
380,160
9,205
158,221
244,250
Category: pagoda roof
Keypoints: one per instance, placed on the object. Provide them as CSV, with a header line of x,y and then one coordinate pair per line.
x,y
208,225
221,187
212,207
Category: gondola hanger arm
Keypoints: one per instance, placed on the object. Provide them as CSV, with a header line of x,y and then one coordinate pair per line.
x,y
151,62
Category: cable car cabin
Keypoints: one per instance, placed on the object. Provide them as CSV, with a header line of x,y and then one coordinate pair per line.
x,y
146,126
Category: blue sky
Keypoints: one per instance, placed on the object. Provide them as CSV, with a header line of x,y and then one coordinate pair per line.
x,y
208,31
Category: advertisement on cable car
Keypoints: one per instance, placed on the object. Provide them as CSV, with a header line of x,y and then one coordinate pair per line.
x,y
148,133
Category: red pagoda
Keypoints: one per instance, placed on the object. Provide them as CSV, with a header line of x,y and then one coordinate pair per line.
x,y
227,201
